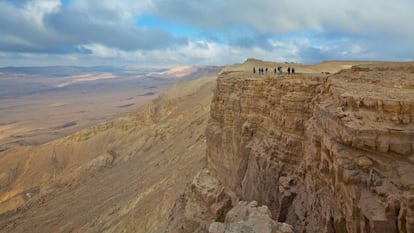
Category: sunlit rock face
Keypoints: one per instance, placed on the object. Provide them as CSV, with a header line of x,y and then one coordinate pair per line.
x,y
325,153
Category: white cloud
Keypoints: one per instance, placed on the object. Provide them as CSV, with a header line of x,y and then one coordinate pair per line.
x,y
101,51
35,10
112,10
90,32
269,16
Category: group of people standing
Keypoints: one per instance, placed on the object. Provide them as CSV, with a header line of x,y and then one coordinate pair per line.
x,y
290,70
261,70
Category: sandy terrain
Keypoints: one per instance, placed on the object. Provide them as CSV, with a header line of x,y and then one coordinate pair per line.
x,y
121,175
36,108
40,118
177,72
325,67
85,78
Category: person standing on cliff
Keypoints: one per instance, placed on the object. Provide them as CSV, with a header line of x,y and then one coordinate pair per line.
x,y
293,70
288,70
254,70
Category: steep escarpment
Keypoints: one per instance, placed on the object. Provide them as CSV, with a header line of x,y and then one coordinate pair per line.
x,y
359,151
256,137
325,153
256,132
119,176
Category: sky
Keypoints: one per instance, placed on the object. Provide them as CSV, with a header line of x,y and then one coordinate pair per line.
x,y
157,33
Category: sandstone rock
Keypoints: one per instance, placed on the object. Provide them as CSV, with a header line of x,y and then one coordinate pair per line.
x,y
217,227
205,201
248,217
325,154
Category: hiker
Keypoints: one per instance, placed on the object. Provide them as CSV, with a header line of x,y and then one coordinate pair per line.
x,y
266,70
293,70
254,70
288,70
275,71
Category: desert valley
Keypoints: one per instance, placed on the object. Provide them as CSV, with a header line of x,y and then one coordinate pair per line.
x,y
185,116
328,149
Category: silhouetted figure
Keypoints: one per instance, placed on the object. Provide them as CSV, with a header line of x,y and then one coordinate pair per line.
x,y
275,71
266,70
288,70
293,70
254,70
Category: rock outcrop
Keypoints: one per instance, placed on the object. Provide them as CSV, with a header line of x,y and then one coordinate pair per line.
x,y
325,153
205,207
205,201
249,218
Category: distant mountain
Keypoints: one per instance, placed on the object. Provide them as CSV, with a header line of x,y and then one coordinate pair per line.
x,y
185,72
62,71
23,81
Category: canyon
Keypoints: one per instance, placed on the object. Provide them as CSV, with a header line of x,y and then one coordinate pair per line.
x,y
321,152
327,150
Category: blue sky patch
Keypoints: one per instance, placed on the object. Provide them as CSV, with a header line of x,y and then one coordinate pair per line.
x,y
178,30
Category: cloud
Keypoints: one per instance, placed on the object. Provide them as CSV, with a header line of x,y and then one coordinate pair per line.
x,y
78,28
167,32
269,16
44,26
378,27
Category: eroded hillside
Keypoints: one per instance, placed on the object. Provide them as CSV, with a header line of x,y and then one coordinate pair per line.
x,y
118,176
311,152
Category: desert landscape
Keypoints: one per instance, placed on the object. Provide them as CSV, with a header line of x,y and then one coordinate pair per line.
x,y
41,104
183,116
125,148
265,144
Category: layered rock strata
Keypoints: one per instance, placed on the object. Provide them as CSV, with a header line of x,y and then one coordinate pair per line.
x,y
203,202
249,217
324,153
206,207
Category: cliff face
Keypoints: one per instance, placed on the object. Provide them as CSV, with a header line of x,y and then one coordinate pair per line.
x,y
324,153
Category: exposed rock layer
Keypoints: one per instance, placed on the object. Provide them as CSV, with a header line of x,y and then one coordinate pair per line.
x,y
205,207
324,153
248,217
203,202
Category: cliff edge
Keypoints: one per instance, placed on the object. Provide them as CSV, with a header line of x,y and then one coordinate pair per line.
x,y
324,152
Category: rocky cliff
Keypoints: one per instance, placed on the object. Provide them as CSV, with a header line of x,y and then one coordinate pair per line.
x,y
325,153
